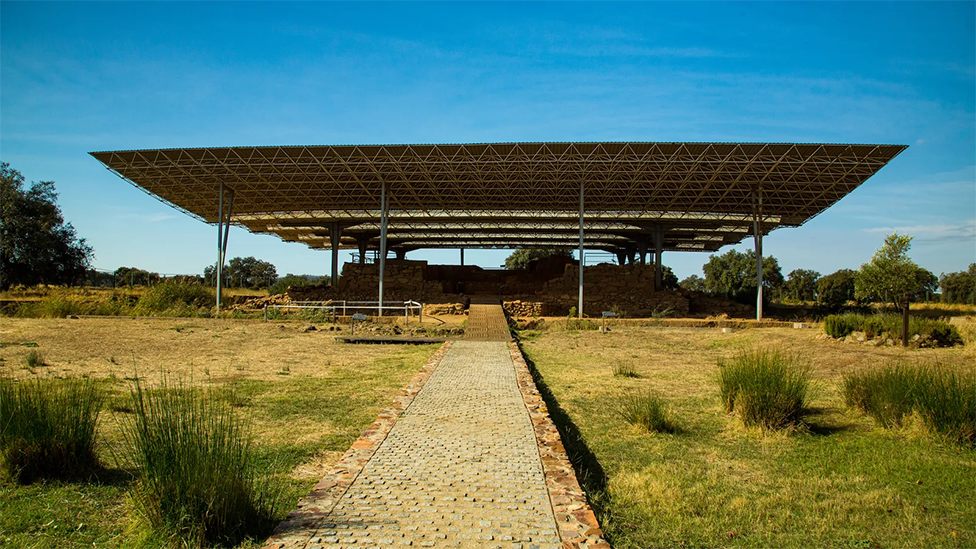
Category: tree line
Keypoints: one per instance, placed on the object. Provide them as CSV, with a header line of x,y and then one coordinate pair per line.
x,y
889,277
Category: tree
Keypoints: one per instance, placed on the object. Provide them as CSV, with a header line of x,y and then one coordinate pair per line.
x,y
928,284
733,275
959,287
693,283
891,276
520,258
669,280
244,272
130,276
835,290
801,285
291,280
36,245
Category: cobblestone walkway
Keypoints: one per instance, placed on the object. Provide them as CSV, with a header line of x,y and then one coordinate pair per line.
x,y
460,468
486,321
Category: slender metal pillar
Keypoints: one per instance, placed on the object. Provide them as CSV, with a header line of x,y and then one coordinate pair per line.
x,y
757,231
642,250
384,213
335,233
462,257
223,231
658,252
220,242
361,241
579,307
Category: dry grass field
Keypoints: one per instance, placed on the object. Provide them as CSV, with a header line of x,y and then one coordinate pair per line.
x,y
840,481
307,397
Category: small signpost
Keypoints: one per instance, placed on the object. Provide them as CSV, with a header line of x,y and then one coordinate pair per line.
x,y
605,315
355,317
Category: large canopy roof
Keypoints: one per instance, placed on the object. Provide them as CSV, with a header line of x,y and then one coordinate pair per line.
x,y
503,195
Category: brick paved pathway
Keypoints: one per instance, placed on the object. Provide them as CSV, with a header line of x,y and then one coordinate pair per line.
x,y
460,468
486,321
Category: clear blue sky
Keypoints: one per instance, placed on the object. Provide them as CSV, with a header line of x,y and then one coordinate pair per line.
x,y
81,77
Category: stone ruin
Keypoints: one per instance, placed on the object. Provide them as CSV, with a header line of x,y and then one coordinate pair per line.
x,y
547,288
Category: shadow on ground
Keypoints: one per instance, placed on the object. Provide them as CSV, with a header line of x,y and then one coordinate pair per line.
x,y
588,470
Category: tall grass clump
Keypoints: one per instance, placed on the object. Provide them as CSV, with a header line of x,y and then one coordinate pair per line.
x,y
944,397
766,388
624,370
172,295
946,401
647,411
887,394
199,484
34,359
47,428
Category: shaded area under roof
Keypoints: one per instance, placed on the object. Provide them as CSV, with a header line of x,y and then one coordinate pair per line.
x,y
702,196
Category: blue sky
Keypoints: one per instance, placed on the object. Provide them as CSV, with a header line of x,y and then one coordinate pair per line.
x,y
81,77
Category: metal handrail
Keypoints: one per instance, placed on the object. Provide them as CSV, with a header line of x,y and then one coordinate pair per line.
x,y
334,306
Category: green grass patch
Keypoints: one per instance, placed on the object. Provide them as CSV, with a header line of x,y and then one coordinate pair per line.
x,y
838,483
766,388
24,344
198,483
49,514
47,428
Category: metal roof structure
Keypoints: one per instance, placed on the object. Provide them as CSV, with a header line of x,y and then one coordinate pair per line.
x,y
627,196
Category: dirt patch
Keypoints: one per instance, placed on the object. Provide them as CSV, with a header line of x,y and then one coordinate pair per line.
x,y
201,350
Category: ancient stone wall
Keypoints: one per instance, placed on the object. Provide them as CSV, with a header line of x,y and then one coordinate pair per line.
x,y
626,290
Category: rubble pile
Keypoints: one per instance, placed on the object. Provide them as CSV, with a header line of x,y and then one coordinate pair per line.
x,y
521,309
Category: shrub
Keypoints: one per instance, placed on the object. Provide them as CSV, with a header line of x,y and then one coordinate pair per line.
x,y
886,394
47,428
839,326
199,483
946,402
624,370
647,411
766,388
937,332
183,297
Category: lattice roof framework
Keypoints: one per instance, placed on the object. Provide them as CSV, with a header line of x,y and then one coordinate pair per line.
x,y
503,195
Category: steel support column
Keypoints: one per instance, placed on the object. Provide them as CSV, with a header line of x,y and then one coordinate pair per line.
x,y
384,218
757,231
223,231
462,257
335,233
361,241
658,252
642,250
579,308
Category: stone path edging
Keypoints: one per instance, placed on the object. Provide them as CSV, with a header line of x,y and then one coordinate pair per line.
x,y
578,527
299,526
